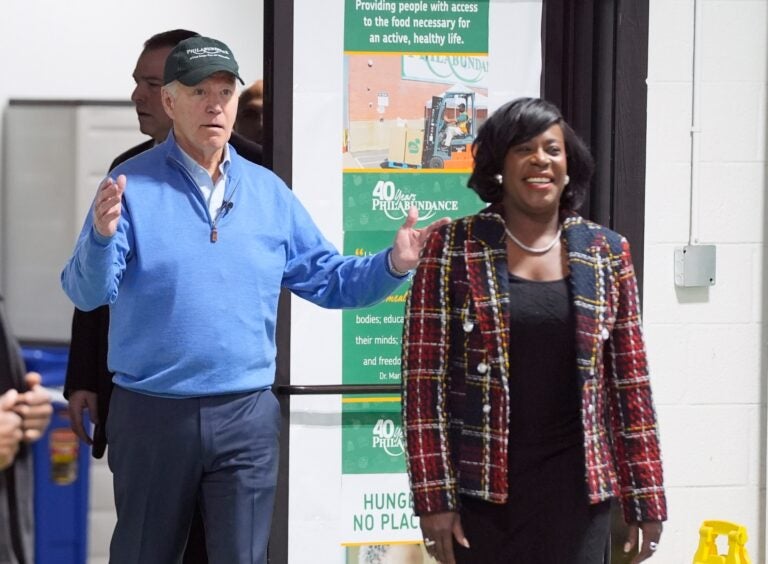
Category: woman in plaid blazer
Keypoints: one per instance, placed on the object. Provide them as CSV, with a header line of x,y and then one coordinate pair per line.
x,y
526,401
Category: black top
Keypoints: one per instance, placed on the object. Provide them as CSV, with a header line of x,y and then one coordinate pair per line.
x,y
543,384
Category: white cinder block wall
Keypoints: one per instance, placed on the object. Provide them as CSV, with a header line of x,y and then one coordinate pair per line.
x,y
707,346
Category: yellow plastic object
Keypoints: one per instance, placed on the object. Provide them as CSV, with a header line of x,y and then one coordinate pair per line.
x,y
737,539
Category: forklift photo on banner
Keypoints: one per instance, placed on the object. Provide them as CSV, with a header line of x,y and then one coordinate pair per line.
x,y
449,130
411,112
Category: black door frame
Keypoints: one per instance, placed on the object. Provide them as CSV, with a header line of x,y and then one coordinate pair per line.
x,y
278,156
595,63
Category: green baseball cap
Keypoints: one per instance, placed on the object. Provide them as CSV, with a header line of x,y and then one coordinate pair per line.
x,y
195,59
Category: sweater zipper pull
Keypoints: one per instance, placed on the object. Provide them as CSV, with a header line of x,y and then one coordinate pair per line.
x,y
214,234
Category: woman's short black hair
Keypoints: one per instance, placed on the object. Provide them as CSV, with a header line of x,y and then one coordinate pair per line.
x,y
519,121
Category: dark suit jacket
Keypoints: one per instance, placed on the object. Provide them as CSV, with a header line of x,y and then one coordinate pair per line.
x,y
16,481
244,147
87,366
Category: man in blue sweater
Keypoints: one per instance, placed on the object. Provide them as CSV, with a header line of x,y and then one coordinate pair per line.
x,y
190,245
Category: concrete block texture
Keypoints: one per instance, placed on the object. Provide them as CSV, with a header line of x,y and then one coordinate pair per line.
x,y
708,446
730,300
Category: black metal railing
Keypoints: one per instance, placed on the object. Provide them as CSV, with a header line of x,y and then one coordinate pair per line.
x,y
330,389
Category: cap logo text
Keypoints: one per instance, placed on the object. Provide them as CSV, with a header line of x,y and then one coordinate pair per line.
x,y
201,52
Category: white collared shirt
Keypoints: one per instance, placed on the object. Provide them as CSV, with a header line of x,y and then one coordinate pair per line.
x,y
212,193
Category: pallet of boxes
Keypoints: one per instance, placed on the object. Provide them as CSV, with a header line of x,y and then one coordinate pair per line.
x,y
406,145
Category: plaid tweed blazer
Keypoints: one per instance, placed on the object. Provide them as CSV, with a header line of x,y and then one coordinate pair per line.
x,y
456,369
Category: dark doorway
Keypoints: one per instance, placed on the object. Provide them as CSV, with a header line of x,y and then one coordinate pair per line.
x,y
595,64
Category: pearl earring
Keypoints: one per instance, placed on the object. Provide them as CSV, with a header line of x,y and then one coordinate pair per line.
x,y
567,180
498,178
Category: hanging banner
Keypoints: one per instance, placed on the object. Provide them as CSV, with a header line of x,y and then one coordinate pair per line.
x,y
416,95
439,26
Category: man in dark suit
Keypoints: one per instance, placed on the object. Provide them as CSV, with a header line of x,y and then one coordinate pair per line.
x,y
89,381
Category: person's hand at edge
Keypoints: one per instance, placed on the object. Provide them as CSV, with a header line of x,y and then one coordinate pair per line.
x,y
10,429
34,408
409,241
79,401
108,206
650,539
439,530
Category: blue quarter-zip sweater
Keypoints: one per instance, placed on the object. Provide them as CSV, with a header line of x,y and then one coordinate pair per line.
x,y
190,317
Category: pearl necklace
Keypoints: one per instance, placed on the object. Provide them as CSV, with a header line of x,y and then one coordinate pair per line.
x,y
535,250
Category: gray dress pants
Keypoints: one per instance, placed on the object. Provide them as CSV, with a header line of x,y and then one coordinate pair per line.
x,y
166,453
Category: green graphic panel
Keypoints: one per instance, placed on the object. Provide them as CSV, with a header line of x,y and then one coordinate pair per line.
x,y
372,438
379,202
447,26
371,337
372,430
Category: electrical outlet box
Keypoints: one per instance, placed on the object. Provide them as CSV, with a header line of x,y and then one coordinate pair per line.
x,y
695,266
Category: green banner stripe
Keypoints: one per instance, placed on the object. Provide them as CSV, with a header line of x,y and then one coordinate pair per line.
x,y
455,26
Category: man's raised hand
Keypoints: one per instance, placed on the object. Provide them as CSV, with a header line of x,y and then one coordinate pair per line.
x,y
108,205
